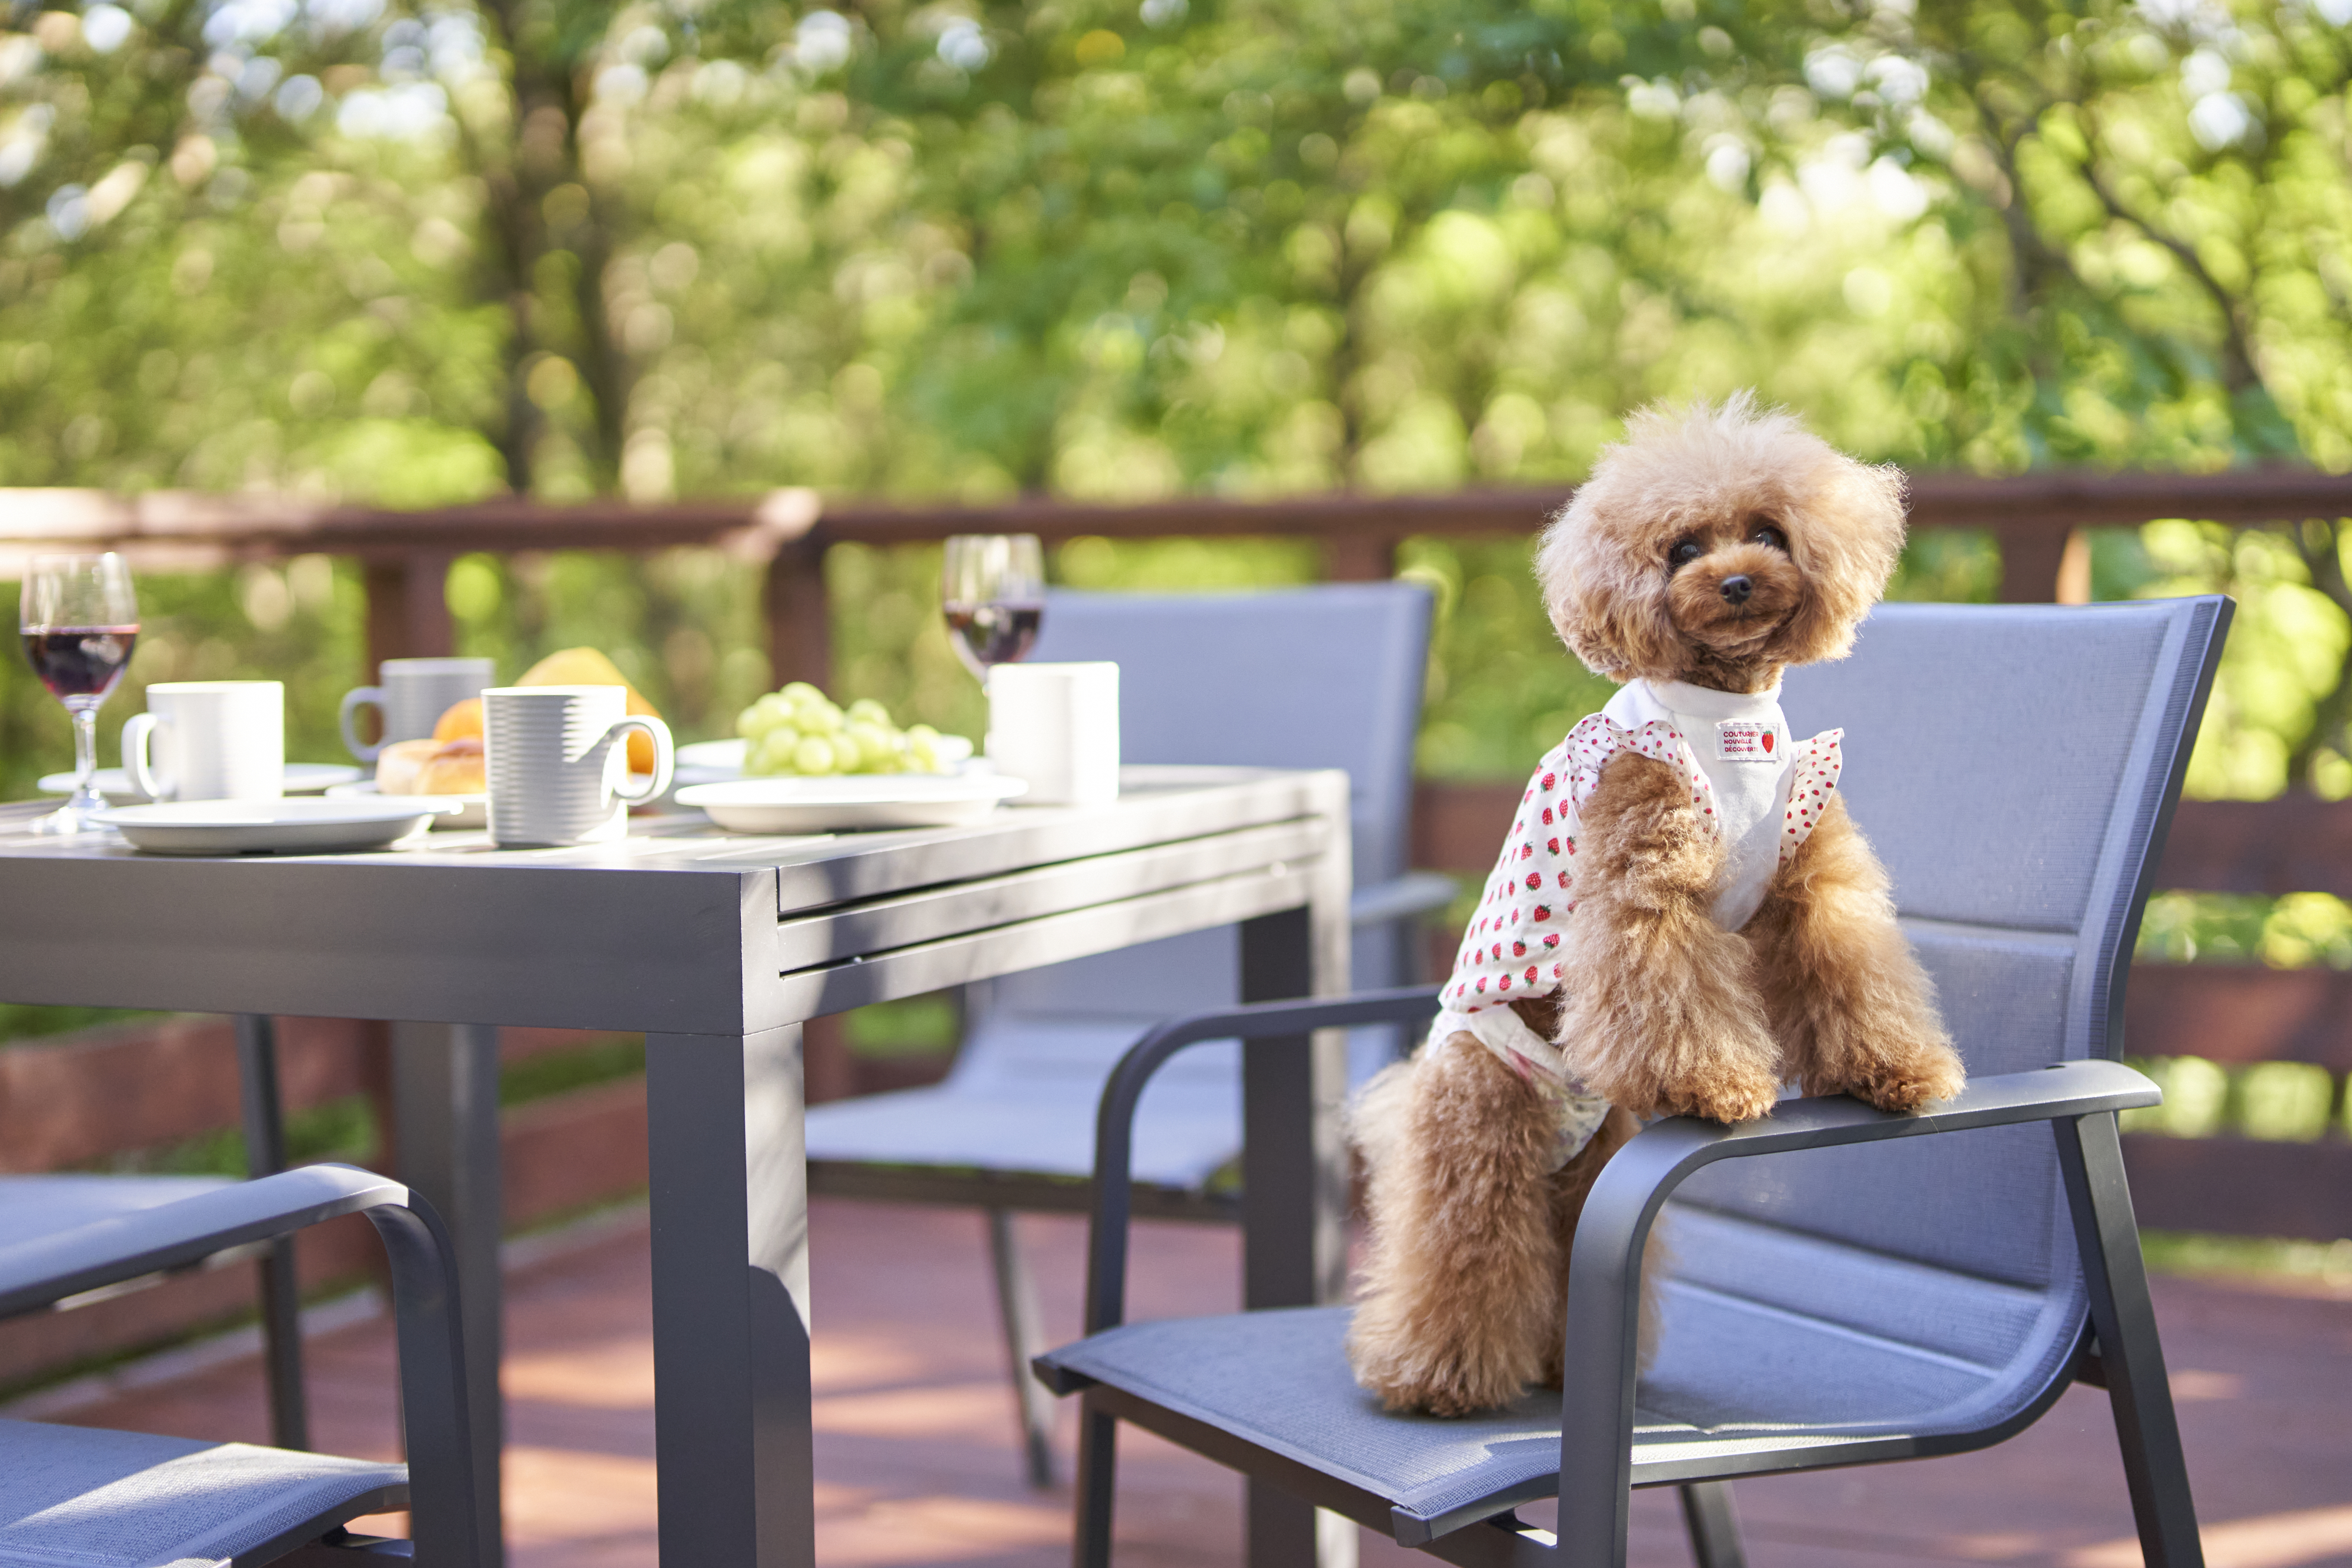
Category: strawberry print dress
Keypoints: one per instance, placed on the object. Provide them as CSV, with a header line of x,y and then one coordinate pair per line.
x,y
1748,783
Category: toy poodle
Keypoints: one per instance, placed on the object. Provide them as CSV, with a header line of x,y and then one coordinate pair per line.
x,y
1683,917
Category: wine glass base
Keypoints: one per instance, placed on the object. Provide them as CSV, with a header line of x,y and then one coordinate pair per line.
x,y
67,821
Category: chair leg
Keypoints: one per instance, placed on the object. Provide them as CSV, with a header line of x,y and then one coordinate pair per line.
x,y
2132,1357
281,1298
1024,1338
1098,1485
1714,1525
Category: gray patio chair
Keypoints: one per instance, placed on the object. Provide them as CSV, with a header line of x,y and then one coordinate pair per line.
x,y
95,1498
1322,677
33,1206
1847,1286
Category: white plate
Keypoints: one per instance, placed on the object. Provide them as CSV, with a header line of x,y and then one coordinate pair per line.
x,y
114,783
473,810
714,761
251,827
859,800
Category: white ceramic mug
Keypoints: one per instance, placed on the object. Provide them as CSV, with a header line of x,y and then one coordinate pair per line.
x,y
208,740
411,696
1056,726
556,767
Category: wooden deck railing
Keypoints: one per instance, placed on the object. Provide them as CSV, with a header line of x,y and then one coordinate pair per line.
x,y
2235,1015
2036,520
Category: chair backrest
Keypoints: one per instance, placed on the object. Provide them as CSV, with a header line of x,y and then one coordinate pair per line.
x,y
1328,676
2015,768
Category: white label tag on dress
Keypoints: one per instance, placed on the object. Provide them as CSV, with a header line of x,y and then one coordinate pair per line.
x,y
1745,740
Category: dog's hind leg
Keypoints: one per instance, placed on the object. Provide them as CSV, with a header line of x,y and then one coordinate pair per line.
x,y
1568,1187
1456,1307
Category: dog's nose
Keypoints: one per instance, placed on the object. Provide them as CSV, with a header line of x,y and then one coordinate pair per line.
x,y
1737,589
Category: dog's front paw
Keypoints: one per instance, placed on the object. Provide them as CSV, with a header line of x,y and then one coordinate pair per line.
x,y
1906,1080
1726,1094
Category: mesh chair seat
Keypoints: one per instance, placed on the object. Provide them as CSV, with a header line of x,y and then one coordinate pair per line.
x,y
1775,1351
33,1205
73,1497
1028,1107
1048,1131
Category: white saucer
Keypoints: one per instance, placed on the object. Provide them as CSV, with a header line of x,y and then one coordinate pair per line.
x,y
114,783
473,810
255,827
856,801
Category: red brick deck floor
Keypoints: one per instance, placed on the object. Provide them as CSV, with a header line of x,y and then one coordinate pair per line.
x,y
916,1459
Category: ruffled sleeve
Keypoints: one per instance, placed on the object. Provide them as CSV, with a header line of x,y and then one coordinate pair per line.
x,y
1510,949
1593,744
1812,778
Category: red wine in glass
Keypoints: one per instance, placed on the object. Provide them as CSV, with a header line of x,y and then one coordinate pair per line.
x,y
992,597
79,663
992,634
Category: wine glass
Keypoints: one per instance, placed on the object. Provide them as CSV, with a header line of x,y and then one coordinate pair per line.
x,y
993,591
79,620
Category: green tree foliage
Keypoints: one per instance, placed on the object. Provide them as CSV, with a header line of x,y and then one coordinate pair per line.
x,y
422,250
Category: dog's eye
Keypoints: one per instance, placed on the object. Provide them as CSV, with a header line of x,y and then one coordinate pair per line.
x,y
1766,534
1682,554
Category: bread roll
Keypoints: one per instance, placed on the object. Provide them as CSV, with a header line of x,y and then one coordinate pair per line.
x,y
399,765
431,768
456,769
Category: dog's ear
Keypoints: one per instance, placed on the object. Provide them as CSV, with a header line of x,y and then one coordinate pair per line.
x,y
1847,535
1606,599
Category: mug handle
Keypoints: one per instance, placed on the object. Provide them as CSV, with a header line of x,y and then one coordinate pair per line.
x,y
138,741
355,699
665,755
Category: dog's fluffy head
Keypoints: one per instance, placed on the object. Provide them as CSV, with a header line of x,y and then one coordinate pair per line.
x,y
1719,545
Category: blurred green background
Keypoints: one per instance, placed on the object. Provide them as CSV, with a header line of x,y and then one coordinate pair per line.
x,y
414,253
422,251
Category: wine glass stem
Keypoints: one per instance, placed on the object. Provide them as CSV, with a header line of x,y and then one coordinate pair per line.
x,y
85,726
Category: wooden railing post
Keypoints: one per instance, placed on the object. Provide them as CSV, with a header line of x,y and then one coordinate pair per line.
x,y
799,626
1364,556
2033,561
408,608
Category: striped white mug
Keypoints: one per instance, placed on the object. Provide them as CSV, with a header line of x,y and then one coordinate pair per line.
x,y
411,699
558,772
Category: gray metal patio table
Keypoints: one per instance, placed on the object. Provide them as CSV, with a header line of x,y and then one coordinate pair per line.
x,y
717,947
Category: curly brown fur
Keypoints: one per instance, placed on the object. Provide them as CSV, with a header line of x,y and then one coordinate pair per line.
x,y
1718,477
1853,1010
1661,1013
1456,1307
1463,1303
1570,1187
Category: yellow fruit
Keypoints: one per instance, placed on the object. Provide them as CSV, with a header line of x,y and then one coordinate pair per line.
x,y
462,720
587,667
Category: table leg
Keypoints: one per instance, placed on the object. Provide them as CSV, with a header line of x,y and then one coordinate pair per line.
x,y
731,1402
444,1098
1294,1253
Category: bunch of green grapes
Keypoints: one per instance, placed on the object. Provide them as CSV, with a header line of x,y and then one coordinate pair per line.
x,y
798,730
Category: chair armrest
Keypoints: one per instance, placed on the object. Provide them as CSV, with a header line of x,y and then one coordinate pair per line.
x,y
176,1235
1115,1120
1604,1274
1415,893
448,1526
